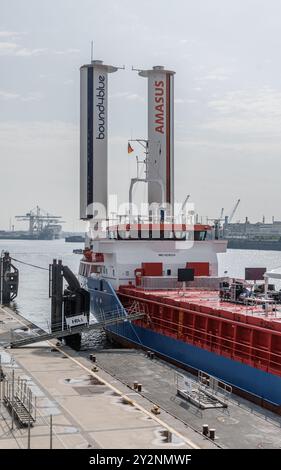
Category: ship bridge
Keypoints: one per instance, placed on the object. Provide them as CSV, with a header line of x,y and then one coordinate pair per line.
x,y
159,231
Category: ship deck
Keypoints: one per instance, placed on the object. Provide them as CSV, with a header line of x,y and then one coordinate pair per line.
x,y
208,301
247,334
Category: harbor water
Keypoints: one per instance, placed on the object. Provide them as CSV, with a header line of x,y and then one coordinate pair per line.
x,y
33,299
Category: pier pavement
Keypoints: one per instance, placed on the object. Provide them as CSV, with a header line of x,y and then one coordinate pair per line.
x,y
89,409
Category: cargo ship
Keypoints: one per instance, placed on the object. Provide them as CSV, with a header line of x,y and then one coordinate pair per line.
x,y
165,265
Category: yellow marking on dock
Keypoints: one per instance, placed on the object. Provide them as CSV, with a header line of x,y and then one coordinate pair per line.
x,y
133,402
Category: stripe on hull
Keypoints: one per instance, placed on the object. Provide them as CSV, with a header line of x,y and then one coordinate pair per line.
x,y
242,376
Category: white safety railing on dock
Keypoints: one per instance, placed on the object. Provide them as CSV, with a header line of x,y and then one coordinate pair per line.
x,y
21,390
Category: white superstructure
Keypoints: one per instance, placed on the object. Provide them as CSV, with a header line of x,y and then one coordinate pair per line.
x,y
126,248
139,248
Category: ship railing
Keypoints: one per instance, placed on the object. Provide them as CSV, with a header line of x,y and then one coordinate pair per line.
x,y
245,352
61,330
154,219
105,315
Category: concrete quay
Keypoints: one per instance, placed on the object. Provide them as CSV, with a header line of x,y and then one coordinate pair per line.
x,y
89,409
94,404
241,425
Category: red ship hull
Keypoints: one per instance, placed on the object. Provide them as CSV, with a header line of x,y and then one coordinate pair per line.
x,y
200,319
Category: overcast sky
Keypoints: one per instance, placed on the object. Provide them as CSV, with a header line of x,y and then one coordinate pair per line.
x,y
226,54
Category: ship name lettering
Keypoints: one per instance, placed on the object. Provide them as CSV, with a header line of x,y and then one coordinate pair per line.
x,y
159,106
101,108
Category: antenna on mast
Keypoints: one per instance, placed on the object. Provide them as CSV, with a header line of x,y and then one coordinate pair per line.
x,y
92,51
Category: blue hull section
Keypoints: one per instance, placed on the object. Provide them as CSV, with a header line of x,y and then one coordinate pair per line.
x,y
247,378
244,377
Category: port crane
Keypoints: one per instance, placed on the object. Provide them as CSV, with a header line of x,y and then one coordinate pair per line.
x,y
41,221
217,220
229,219
183,207
185,202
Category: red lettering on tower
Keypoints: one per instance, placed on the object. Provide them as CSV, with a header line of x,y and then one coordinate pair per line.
x,y
159,106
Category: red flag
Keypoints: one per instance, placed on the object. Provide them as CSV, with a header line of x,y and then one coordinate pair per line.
x,y
130,148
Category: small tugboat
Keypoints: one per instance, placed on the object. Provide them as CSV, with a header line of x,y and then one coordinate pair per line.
x,y
78,251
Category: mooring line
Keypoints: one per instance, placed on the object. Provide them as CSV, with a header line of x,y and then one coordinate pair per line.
x,y
29,264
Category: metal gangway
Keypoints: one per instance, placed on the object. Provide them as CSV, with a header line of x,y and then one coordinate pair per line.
x,y
107,319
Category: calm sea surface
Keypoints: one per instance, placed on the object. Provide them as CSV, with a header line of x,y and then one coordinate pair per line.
x,y
33,298
33,301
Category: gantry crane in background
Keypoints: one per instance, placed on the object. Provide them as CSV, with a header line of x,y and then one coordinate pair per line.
x,y
42,224
220,228
226,219
217,220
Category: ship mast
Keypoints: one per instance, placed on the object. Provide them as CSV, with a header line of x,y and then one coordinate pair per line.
x,y
147,179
